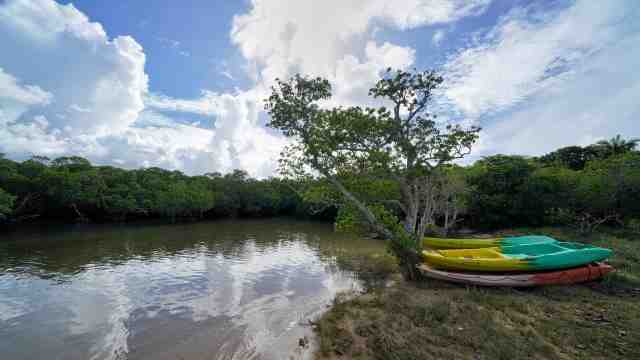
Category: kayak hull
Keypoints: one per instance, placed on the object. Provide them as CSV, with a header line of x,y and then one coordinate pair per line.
x,y
451,243
535,257
558,277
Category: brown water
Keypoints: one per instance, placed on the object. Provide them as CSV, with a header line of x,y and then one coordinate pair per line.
x,y
216,290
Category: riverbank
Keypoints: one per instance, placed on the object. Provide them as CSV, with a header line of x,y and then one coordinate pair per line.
x,y
438,320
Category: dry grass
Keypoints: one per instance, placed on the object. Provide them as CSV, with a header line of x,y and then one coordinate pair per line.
x,y
437,320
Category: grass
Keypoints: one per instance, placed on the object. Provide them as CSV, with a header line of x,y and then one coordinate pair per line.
x,y
438,320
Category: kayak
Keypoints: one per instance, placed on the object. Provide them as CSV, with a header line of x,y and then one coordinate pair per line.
x,y
556,277
550,256
450,243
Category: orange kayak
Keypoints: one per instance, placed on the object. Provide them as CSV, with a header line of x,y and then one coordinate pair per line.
x,y
559,277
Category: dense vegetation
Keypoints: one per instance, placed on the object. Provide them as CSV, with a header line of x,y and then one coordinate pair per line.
x,y
513,190
496,192
391,169
72,189
502,191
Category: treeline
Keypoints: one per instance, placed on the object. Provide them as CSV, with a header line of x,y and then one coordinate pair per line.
x,y
576,186
581,186
72,189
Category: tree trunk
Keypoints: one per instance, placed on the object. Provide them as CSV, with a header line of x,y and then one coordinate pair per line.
x,y
24,202
445,230
371,218
404,246
409,259
81,217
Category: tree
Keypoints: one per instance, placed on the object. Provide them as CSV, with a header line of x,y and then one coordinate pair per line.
x,y
452,198
6,204
571,157
71,163
617,145
403,144
609,190
498,181
78,191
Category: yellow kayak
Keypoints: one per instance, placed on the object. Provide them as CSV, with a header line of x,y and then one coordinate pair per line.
x,y
450,243
485,259
532,257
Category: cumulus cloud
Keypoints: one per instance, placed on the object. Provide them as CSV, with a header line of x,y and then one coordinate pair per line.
x,y
544,79
239,140
16,98
66,88
332,39
280,38
90,96
22,139
180,147
12,90
55,47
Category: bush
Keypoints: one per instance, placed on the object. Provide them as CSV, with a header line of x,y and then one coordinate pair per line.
x,y
633,225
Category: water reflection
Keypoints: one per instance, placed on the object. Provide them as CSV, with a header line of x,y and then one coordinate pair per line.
x,y
229,289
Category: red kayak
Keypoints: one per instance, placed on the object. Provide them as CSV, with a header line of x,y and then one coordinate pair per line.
x,y
559,277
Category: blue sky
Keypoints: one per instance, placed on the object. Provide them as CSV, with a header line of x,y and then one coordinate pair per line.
x,y
186,42
180,84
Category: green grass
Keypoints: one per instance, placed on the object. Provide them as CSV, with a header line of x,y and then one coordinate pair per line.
x,y
438,320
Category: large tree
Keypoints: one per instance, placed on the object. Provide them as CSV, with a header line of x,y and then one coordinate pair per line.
x,y
402,143
617,145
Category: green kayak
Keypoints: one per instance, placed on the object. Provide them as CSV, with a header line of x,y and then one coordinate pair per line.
x,y
452,243
550,256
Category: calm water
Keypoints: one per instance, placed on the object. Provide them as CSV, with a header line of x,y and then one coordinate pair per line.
x,y
218,290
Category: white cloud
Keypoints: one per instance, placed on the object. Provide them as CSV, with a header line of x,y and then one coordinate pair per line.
x,y
25,138
242,139
333,39
16,98
599,100
526,53
90,96
169,42
438,36
207,104
239,140
84,93
541,80
280,38
12,90
55,47
181,147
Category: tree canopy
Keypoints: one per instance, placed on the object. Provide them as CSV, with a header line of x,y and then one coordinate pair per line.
x,y
617,145
72,189
351,146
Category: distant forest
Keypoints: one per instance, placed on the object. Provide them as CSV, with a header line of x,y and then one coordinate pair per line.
x,y
581,186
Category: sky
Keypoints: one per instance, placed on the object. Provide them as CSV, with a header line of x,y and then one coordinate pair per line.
x,y
181,84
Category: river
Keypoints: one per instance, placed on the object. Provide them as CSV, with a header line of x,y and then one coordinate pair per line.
x,y
231,289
